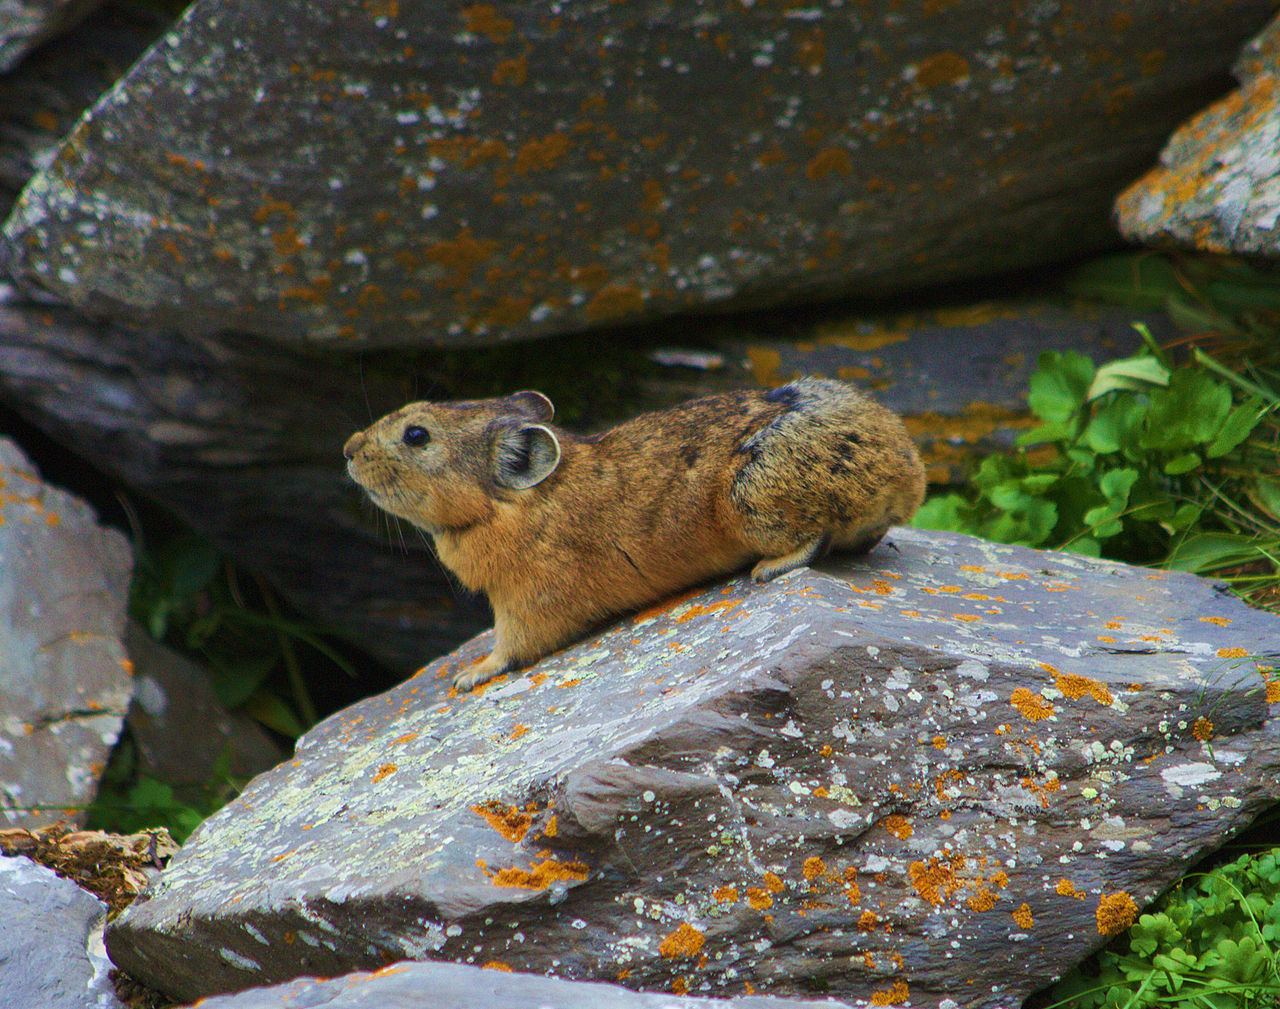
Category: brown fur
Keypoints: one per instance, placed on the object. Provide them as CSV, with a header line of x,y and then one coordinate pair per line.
x,y
562,531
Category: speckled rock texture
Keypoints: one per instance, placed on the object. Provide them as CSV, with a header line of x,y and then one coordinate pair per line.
x,y
51,954
24,24
64,677
421,172
43,97
412,985
1217,187
940,775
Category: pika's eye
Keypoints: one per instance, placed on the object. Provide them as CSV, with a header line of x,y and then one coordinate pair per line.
x,y
415,436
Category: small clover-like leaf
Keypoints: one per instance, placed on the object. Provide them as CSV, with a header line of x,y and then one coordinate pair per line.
x,y
1059,385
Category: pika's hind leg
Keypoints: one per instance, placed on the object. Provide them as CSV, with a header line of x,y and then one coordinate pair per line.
x,y
770,567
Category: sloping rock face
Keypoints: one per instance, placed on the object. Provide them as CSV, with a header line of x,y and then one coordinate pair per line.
x,y
408,985
64,676
943,774
1217,187
418,172
51,946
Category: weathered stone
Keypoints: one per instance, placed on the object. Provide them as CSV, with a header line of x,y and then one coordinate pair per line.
x,y
51,945
1217,187
41,100
64,677
24,24
181,730
412,985
538,170
946,771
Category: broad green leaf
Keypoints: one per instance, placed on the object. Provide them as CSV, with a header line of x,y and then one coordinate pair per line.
x,y
1210,551
946,512
1138,372
274,714
1187,413
1141,280
1059,385
1180,464
1059,430
1103,522
1237,427
1266,494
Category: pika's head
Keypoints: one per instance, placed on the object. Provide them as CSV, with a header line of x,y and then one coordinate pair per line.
x,y
443,466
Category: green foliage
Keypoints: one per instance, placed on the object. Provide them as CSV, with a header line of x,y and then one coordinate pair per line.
x,y
1212,941
1138,460
189,595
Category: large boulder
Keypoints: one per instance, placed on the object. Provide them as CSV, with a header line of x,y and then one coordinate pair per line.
x,y
1217,186
424,172
64,676
942,773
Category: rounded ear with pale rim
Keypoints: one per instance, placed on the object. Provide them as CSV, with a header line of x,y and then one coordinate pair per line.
x,y
524,455
532,404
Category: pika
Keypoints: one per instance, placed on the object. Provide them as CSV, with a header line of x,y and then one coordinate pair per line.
x,y
562,531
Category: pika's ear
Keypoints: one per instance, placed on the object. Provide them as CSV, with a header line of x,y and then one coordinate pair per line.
x,y
532,404
524,455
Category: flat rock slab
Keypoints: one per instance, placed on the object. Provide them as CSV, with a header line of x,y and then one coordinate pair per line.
x,y
64,676
546,169
412,985
943,772
1217,187
51,953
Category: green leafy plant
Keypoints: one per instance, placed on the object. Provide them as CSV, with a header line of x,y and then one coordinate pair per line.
x,y
1139,460
1212,941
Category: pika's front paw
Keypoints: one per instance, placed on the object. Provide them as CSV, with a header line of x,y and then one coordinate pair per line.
x,y
486,669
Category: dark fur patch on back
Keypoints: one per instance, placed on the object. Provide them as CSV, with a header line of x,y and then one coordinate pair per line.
x,y
785,394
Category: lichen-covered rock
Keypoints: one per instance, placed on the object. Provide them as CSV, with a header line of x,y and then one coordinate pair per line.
x,y
419,172
64,676
41,100
942,773
412,985
1217,187
24,24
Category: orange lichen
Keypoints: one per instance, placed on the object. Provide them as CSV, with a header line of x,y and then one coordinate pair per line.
x,y
773,882
1220,621
898,826
1032,707
1202,729
723,606
497,965
813,868
614,301
1022,917
680,986
483,19
1273,691
758,898
828,162
685,941
900,992
867,921
1115,913
932,880
1074,687
983,900
853,893
1232,653
518,731
386,770
509,821
725,894
541,875
405,738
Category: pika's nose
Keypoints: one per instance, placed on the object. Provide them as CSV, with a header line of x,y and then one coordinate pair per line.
x,y
353,445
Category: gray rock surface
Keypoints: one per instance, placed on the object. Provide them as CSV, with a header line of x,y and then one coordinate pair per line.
x,y
182,732
51,954
24,24
1217,186
941,773
412,985
64,676
539,170
41,100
